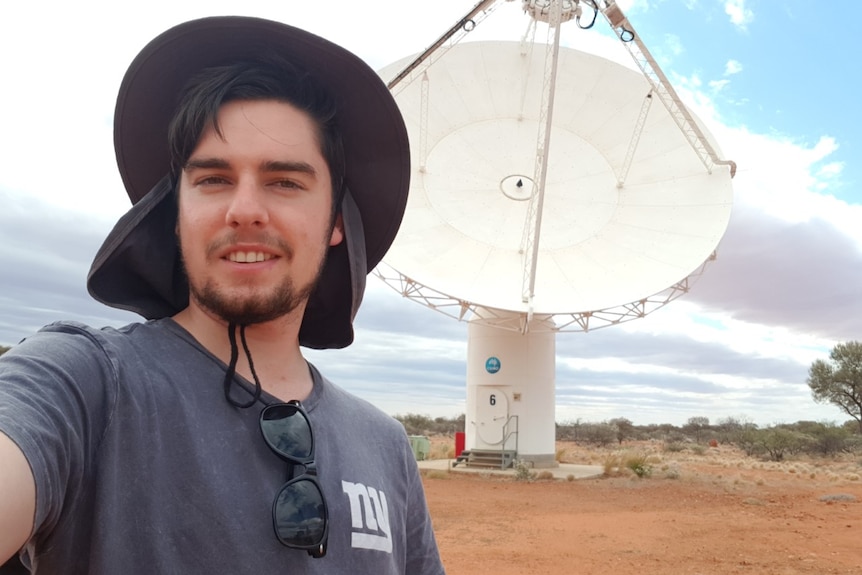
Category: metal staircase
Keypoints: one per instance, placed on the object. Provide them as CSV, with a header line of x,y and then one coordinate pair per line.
x,y
486,458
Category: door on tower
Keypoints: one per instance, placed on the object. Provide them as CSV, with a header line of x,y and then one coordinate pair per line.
x,y
492,413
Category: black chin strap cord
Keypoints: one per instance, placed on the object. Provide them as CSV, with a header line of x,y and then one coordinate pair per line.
x,y
231,368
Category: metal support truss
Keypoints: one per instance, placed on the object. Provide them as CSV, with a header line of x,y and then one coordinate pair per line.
x,y
451,37
663,88
633,144
561,322
423,122
533,225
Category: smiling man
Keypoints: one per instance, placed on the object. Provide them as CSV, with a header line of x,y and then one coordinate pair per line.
x,y
268,171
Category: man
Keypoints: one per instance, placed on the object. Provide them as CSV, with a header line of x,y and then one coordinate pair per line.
x,y
268,169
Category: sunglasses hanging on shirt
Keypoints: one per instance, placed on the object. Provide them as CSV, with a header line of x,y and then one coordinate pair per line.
x,y
299,514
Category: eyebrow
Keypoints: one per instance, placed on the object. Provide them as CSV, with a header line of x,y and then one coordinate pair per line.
x,y
269,166
206,164
289,166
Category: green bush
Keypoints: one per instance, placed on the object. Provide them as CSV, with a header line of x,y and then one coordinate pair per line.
x,y
778,442
639,465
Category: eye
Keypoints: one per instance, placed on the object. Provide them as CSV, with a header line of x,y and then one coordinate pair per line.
x,y
288,184
211,180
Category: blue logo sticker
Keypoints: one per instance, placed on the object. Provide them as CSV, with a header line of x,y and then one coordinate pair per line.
x,y
492,365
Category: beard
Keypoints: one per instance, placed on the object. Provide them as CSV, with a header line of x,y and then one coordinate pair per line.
x,y
254,308
257,308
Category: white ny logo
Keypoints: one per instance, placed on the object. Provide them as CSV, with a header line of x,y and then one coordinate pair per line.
x,y
371,504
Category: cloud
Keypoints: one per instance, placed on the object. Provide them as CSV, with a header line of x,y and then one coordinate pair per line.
x,y
804,276
634,6
740,16
673,44
45,259
792,254
732,67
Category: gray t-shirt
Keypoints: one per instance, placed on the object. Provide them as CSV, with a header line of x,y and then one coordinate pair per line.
x,y
142,466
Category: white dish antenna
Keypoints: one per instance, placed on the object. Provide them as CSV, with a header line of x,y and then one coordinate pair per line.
x,y
473,122
626,207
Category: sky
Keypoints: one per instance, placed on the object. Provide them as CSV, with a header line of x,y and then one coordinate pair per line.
x,y
770,83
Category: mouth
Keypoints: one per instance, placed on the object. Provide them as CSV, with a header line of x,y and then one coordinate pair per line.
x,y
249,257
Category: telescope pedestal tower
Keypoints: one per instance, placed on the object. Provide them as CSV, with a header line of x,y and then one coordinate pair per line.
x,y
510,390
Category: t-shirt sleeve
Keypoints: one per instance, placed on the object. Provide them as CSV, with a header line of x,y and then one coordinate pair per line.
x,y
56,393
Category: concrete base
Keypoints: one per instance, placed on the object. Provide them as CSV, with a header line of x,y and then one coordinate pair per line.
x,y
564,471
539,460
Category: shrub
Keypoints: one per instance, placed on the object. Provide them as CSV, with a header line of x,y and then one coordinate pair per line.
x,y
418,424
639,465
778,442
560,454
611,465
823,438
600,434
838,497
854,444
746,438
441,451
545,475
523,472
672,472
674,447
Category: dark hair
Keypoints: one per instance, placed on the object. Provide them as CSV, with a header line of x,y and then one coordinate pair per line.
x,y
265,79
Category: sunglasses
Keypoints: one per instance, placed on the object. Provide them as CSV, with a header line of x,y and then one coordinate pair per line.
x,y
299,514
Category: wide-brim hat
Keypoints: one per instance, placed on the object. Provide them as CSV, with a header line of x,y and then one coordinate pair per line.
x,y
139,268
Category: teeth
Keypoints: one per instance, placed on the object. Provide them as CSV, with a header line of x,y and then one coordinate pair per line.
x,y
248,257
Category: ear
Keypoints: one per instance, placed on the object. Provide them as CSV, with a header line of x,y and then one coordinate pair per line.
x,y
337,231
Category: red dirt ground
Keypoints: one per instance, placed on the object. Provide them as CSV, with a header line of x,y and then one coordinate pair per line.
x,y
697,514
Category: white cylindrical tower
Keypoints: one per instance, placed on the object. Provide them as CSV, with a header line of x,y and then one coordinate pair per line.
x,y
510,389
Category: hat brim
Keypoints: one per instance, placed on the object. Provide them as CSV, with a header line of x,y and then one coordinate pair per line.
x,y
376,147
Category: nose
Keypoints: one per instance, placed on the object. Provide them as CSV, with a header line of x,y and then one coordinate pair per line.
x,y
247,205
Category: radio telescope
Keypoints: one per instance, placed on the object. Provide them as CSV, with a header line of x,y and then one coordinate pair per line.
x,y
552,190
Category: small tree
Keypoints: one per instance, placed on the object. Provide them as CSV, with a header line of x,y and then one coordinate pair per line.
x,y
747,439
600,434
696,425
778,442
568,430
625,428
839,380
728,428
829,439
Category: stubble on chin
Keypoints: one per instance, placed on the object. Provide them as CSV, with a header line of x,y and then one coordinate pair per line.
x,y
254,308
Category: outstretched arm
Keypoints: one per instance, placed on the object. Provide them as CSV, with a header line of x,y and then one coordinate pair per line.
x,y
17,499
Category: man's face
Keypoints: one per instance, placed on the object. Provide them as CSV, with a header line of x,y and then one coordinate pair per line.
x,y
255,209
